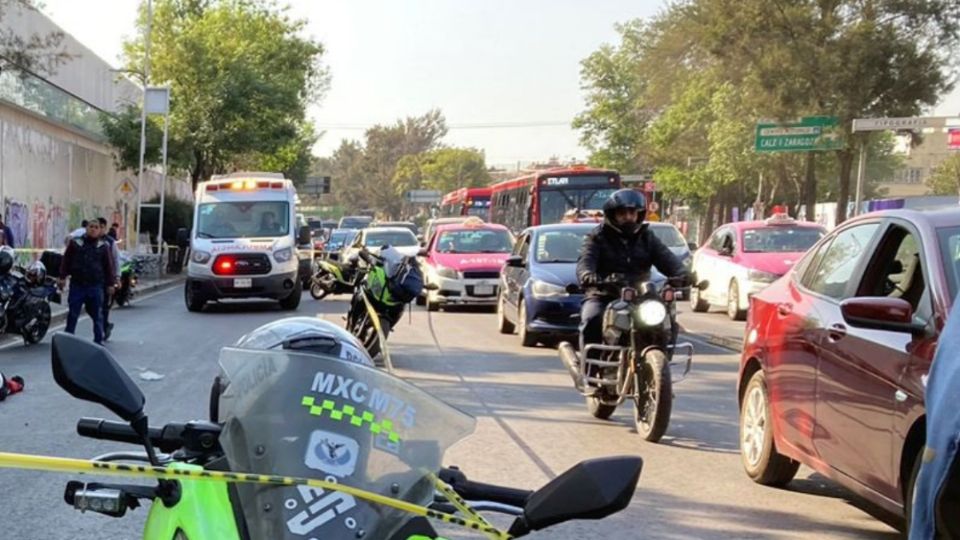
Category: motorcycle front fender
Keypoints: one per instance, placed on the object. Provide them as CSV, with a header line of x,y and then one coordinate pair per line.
x,y
204,511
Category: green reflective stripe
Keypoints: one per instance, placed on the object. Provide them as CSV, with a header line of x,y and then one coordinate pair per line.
x,y
349,413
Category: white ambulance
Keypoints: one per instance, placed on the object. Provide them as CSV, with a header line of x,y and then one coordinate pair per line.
x,y
244,241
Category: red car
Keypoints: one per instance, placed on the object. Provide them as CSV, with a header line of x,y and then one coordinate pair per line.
x,y
837,351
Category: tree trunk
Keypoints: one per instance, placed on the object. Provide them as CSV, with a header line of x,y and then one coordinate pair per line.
x,y
707,220
843,196
810,188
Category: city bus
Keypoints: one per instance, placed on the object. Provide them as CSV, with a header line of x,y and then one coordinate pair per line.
x,y
466,202
544,197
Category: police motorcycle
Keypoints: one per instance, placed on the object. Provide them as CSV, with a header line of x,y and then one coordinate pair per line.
x,y
25,296
387,283
130,270
358,454
330,277
634,361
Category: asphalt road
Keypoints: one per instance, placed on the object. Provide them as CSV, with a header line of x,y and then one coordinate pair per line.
x,y
531,426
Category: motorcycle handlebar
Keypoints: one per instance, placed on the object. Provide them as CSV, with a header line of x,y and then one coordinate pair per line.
x,y
479,491
166,439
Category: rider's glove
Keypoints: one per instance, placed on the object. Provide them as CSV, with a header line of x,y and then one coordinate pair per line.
x,y
587,280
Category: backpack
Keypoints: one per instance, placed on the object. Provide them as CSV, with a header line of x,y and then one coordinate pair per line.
x,y
405,281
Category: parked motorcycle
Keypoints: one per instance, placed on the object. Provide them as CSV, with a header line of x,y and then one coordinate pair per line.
x,y
388,282
639,346
25,296
324,472
130,270
330,277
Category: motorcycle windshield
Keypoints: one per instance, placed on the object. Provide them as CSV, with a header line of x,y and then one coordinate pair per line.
x,y
296,414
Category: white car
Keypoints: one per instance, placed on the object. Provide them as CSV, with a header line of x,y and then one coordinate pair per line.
x,y
397,237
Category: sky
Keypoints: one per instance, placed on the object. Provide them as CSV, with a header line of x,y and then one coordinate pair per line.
x,y
481,62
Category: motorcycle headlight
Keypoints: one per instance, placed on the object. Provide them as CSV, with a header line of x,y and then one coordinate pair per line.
x,y
542,289
283,255
200,257
652,312
761,277
448,273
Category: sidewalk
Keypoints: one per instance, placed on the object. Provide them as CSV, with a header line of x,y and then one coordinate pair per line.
x,y
144,286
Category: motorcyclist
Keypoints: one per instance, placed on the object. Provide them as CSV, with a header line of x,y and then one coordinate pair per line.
x,y
621,249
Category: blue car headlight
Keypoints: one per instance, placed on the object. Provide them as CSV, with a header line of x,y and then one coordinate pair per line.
x,y
543,289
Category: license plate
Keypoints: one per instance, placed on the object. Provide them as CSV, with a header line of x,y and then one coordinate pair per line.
x,y
243,283
481,290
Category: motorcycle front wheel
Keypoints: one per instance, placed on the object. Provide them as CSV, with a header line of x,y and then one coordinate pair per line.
x,y
39,325
654,399
318,291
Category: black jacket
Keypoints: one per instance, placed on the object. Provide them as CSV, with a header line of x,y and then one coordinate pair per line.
x,y
607,250
88,262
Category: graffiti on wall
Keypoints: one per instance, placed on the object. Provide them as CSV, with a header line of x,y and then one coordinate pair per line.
x,y
45,224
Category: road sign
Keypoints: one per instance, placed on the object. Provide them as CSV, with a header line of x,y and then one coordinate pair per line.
x,y
423,196
316,185
953,138
894,124
126,189
811,134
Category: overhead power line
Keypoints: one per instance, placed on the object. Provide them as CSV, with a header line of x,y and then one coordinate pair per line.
x,y
483,125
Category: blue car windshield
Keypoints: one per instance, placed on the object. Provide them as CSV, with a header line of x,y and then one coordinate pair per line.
x,y
560,246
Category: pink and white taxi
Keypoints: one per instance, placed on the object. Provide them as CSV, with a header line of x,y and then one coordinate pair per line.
x,y
743,258
464,260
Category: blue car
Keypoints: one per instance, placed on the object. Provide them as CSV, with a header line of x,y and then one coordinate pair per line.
x,y
533,298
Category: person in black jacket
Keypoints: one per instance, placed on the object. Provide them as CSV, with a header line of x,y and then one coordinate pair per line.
x,y
88,262
622,247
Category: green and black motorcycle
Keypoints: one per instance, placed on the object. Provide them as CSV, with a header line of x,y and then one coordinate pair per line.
x,y
305,446
330,277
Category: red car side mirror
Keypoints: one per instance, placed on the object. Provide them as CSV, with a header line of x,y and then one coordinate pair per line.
x,y
880,313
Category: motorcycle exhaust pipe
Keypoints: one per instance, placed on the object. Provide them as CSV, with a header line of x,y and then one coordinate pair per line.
x,y
568,355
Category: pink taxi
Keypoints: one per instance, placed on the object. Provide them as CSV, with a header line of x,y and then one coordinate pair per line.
x,y
464,260
742,258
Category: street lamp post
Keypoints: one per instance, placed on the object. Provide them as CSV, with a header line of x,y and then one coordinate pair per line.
x,y
143,117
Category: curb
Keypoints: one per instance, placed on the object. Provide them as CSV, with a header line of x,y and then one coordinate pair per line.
x,y
60,315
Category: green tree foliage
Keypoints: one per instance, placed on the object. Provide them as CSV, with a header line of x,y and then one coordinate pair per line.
x,y
945,179
177,213
241,76
442,169
681,94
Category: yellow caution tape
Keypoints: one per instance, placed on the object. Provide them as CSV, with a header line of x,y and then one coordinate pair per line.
x,y
457,501
81,466
376,325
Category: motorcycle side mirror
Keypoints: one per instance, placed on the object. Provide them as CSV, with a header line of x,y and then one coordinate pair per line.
x,y
88,371
703,285
423,252
592,489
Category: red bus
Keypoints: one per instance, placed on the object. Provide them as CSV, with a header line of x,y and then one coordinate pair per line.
x,y
466,202
546,196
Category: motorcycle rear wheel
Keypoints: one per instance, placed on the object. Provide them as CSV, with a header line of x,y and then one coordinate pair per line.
x,y
40,326
654,399
317,291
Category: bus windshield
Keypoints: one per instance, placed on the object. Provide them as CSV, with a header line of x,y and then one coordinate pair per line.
x,y
554,202
261,219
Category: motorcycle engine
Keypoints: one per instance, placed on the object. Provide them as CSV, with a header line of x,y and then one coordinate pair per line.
x,y
617,320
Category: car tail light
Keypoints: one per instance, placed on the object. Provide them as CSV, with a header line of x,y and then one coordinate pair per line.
x,y
224,265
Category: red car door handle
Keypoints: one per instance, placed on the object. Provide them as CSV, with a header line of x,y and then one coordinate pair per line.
x,y
784,309
836,332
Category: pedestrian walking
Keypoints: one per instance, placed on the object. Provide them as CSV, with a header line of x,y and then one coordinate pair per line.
x,y
115,282
114,231
77,233
88,263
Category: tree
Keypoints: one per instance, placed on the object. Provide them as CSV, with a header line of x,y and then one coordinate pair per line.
x,y
241,76
35,53
442,169
945,179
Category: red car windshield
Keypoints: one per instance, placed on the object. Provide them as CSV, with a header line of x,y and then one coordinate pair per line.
x,y
780,239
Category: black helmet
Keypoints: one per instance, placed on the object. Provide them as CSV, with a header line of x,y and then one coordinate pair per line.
x,y
625,198
36,273
6,260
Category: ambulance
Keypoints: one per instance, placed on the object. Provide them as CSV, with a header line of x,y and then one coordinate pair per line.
x,y
244,241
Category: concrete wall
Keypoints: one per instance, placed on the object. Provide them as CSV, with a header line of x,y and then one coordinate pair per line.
x,y
52,174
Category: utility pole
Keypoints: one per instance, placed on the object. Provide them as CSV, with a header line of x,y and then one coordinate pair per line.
x,y
143,116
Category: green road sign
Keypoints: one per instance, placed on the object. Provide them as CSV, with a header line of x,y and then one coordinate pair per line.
x,y
811,134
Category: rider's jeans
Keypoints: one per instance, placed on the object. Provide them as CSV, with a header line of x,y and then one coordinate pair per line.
x,y
591,320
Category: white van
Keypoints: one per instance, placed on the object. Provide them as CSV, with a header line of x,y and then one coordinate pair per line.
x,y
244,240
